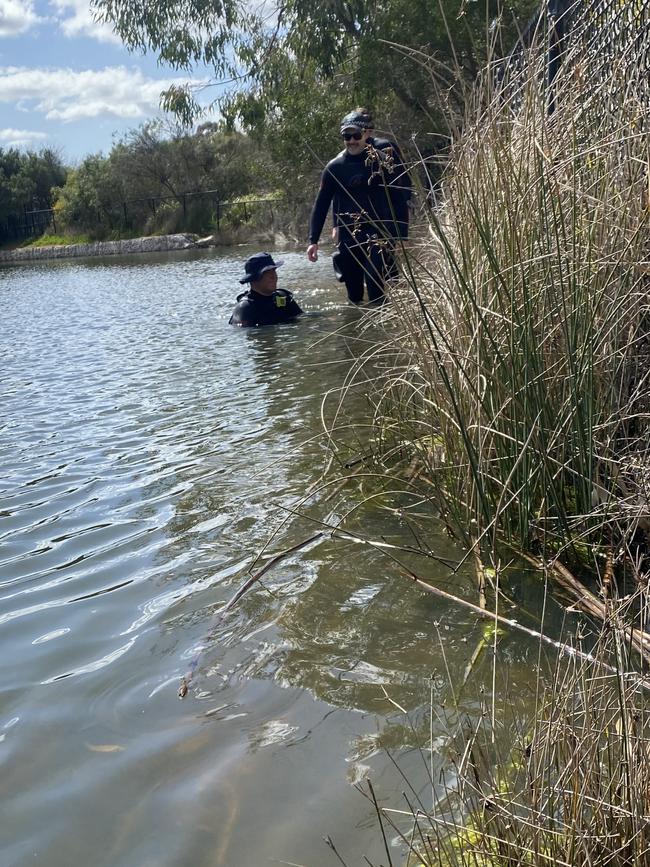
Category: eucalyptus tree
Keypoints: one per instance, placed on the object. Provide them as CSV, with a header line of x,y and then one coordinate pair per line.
x,y
403,51
27,179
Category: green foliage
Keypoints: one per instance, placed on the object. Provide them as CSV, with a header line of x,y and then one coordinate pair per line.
x,y
86,200
300,65
522,327
147,183
27,179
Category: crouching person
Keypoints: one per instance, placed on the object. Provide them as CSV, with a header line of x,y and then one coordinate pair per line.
x,y
263,303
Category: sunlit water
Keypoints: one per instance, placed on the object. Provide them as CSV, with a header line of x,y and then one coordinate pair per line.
x,y
149,452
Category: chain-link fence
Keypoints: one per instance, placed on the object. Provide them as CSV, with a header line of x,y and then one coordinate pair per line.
x,y
596,41
204,208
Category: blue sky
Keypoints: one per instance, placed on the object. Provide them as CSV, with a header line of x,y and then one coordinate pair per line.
x,y
67,82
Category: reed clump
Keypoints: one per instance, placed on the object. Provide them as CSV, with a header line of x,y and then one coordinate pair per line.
x,y
521,353
511,396
572,788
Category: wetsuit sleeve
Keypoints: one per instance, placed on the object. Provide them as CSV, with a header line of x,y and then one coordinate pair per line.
x,y
321,206
243,316
294,308
404,185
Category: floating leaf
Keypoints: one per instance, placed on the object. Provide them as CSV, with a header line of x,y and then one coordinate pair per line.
x,y
105,748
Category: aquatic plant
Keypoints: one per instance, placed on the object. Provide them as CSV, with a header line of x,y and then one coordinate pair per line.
x,y
510,396
572,787
515,382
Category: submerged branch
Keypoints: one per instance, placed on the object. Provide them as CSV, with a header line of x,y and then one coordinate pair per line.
x,y
245,587
566,649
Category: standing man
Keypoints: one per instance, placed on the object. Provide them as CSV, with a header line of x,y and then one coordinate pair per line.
x,y
263,303
401,184
361,184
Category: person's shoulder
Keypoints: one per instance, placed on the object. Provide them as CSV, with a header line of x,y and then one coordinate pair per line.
x,y
387,147
287,297
338,160
242,314
244,301
382,143
288,305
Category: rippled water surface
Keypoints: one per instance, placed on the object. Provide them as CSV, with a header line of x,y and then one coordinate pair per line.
x,y
149,452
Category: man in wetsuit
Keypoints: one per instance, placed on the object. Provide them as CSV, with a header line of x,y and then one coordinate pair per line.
x,y
364,185
401,186
263,303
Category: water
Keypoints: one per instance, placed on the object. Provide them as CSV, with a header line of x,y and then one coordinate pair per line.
x,y
149,453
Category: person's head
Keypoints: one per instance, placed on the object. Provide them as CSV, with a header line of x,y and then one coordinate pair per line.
x,y
261,273
369,122
356,129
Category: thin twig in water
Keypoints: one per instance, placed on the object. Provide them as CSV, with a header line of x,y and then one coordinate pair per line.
x,y
381,824
330,843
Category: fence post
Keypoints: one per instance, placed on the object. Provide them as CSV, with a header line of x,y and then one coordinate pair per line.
x,y
218,214
53,221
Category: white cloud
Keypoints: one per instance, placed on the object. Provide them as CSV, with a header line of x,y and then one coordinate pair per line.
x,y
80,21
20,137
65,95
16,17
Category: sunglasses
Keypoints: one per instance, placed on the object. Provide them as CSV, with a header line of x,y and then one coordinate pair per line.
x,y
355,136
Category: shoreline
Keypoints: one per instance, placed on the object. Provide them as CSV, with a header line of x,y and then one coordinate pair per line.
x,y
149,244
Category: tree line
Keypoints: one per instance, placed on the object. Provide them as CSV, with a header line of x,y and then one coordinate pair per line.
x,y
290,70
295,70
146,184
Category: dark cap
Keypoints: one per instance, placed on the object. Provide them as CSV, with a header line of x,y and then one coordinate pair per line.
x,y
257,265
356,118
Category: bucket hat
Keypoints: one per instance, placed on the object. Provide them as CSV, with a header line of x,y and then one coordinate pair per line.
x,y
257,265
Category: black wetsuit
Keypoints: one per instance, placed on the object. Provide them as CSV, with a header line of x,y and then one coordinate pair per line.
x,y
255,309
401,186
365,198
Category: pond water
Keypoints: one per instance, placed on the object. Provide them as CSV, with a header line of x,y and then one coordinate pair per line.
x,y
149,453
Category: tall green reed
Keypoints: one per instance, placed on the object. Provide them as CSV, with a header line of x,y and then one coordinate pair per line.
x,y
521,352
511,394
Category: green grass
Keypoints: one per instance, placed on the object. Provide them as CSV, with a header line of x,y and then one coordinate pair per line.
x,y
57,240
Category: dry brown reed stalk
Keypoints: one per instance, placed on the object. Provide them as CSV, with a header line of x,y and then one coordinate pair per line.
x,y
512,390
509,389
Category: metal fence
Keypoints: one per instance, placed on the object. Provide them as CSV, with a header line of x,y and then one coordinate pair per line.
x,y
591,38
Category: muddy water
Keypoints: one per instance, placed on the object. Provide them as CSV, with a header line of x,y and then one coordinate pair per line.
x,y
148,454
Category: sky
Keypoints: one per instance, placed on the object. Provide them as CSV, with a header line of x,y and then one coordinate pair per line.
x,y
67,82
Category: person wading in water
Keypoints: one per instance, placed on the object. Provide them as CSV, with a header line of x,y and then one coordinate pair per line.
x,y
263,303
365,185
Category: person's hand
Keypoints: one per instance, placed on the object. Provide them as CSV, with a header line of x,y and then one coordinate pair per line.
x,y
312,252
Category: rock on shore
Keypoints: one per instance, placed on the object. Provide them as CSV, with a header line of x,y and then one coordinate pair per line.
x,y
151,244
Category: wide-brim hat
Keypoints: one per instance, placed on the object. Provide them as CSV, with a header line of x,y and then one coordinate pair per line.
x,y
257,265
